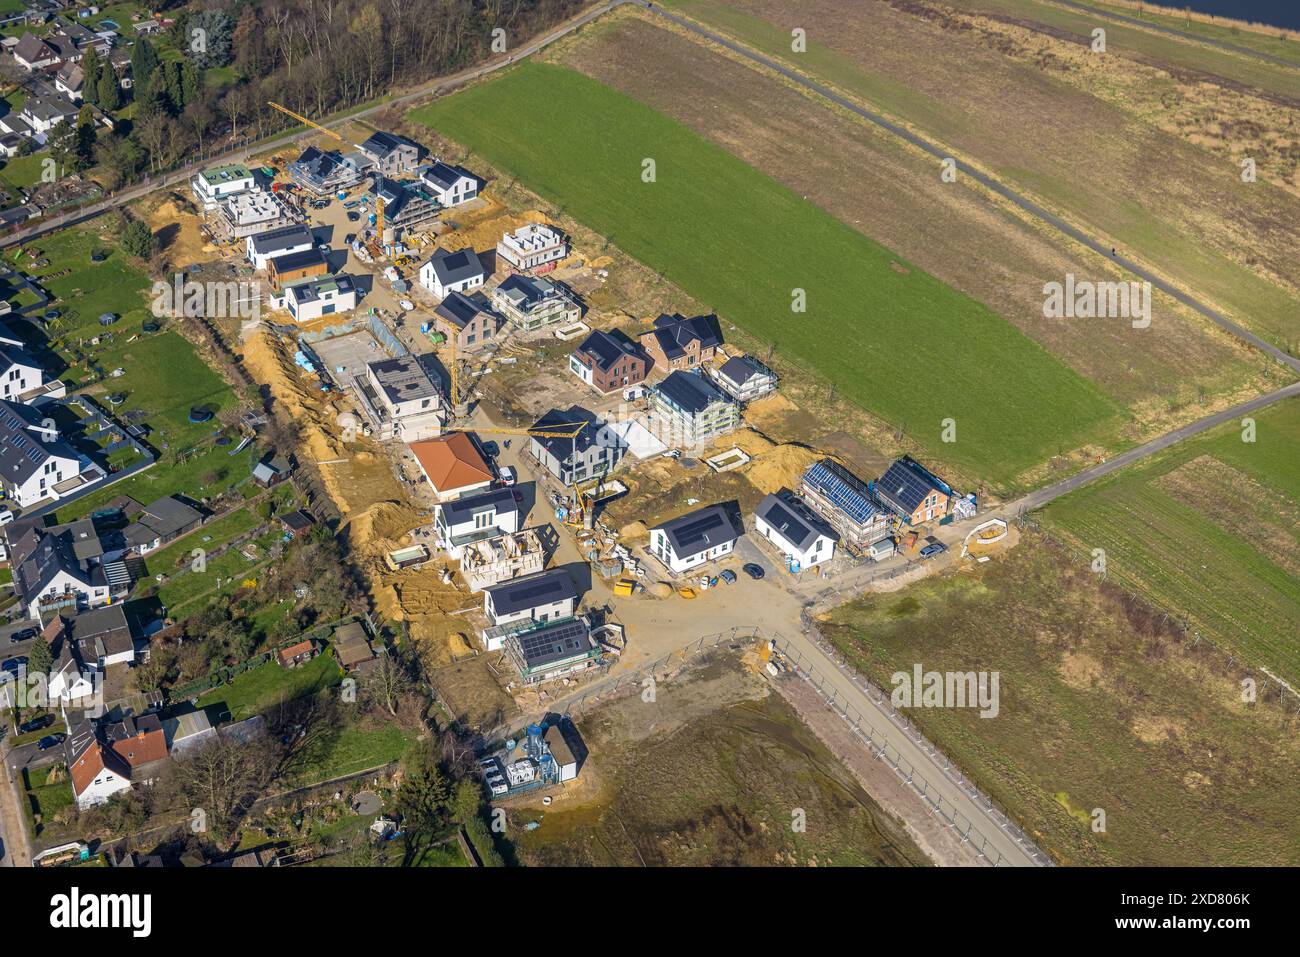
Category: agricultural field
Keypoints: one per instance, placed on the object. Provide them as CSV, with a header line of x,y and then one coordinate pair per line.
x,y
1150,155
868,179
906,330
1210,531
712,779
1103,704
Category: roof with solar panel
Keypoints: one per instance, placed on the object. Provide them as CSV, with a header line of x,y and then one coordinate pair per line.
x,y
906,484
554,642
843,489
522,594
23,445
699,530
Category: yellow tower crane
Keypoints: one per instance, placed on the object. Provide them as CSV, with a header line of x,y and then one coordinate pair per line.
x,y
303,120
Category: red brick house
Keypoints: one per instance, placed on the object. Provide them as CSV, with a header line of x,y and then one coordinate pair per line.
x,y
677,343
608,363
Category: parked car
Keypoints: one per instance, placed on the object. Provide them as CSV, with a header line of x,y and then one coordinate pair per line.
x,y
353,216
14,665
25,634
934,548
729,576
508,476
36,724
50,741
753,571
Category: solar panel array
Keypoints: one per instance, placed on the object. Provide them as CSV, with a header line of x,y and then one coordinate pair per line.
x,y
697,531
844,490
904,485
554,642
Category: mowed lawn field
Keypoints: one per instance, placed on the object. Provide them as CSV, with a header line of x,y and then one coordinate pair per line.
x,y
1149,157
1210,531
890,337
1102,705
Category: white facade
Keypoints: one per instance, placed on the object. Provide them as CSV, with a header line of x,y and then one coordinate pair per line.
x,y
533,246
64,583
662,546
429,280
260,259
820,549
316,298
458,527
39,486
21,376
213,186
450,187
105,785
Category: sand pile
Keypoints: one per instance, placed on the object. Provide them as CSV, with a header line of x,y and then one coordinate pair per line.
x,y
659,589
633,531
381,527
769,411
774,466
484,230
186,245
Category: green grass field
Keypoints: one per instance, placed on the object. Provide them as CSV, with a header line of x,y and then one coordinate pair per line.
x,y
267,685
1210,531
893,339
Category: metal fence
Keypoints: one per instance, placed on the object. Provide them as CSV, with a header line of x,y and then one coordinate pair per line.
x,y
867,729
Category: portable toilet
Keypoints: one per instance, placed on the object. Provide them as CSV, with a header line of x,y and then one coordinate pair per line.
x,y
533,747
343,194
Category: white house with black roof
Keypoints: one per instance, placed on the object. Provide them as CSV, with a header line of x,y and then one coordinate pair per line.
x,y
594,451
694,539
22,379
319,296
475,518
391,154
262,247
542,597
797,533
449,184
688,410
35,464
446,272
744,378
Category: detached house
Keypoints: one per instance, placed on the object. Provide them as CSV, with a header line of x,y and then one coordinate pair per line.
x,y
321,171
800,536
693,539
533,303
449,184
33,53
23,380
35,464
61,568
542,597
111,759
161,522
689,411
401,399
213,186
846,503
69,80
744,378
453,465
446,272
404,206
468,319
609,362
476,518
534,248
391,154
676,342
591,453
913,493
43,113
314,298
262,247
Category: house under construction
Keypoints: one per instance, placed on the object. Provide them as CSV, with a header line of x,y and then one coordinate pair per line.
x,y
494,560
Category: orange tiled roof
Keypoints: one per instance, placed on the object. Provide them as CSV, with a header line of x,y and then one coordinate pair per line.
x,y
451,461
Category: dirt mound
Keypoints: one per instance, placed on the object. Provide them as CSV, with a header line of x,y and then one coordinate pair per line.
x,y
484,230
185,243
634,531
774,466
659,589
382,526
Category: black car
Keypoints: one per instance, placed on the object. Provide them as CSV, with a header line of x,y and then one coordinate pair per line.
x,y
50,741
753,571
44,721
15,664
24,635
353,216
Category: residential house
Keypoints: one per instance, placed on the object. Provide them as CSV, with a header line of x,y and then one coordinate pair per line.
x,y
403,206
100,638
43,113
401,399
262,247
609,361
533,303
475,518
35,464
298,523
446,272
247,214
22,379
69,80
215,185
592,452
913,493
453,465
61,567
846,503
693,539
109,759
468,319
744,378
689,411
310,299
14,125
391,154
449,184
533,248
798,534
33,53
296,655
160,522
11,145
282,271
553,650
322,171
676,342
546,596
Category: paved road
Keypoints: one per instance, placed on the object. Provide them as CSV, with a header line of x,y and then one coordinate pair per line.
x,y
988,182
1148,25
434,87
